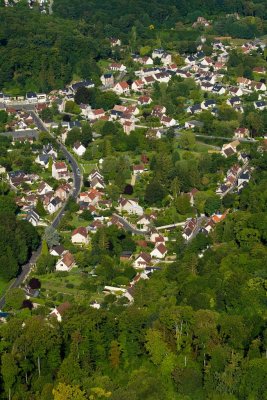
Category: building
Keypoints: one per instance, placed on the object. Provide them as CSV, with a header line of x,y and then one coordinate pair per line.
x,y
66,263
79,149
130,206
80,236
159,251
60,170
142,261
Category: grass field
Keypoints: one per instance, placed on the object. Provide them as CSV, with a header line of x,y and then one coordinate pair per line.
x,y
4,285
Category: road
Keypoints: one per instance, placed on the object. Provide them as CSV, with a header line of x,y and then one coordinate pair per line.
x,y
129,227
77,181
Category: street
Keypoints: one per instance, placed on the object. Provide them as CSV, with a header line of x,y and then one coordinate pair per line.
x,y
77,180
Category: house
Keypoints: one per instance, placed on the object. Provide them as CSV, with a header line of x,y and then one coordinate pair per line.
x,y
43,160
31,97
54,205
44,188
189,228
154,133
60,311
201,21
79,149
60,170
63,191
159,251
122,88
157,53
241,133
144,100
137,85
235,91
208,227
145,60
166,59
259,70
130,206
138,169
33,217
218,89
158,111
260,105
117,67
168,122
97,183
229,149
80,236
115,42
142,261
126,256
66,263
107,80
96,114
244,177
243,82
233,101
144,222
77,85
128,127
149,80
193,124
258,86
195,109
208,104
57,251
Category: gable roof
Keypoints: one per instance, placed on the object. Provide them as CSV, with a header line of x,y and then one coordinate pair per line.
x,y
80,230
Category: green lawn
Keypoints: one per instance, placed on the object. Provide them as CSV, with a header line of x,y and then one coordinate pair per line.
x,y
4,285
87,167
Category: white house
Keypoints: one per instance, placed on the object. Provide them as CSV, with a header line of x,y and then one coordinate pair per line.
x,y
142,261
117,67
167,121
80,236
79,149
159,251
60,170
130,206
44,188
54,205
137,85
121,88
66,263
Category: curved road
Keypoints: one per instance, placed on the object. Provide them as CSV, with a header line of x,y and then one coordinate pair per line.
x,y
77,180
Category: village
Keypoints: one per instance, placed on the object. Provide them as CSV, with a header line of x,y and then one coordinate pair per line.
x,y
41,195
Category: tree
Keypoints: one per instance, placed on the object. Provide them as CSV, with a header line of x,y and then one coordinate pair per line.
x,y
154,193
212,204
68,392
128,189
34,283
187,140
45,250
14,298
114,354
72,108
51,236
9,370
87,134
40,208
182,204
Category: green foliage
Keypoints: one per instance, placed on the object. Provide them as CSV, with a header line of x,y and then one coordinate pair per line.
x,y
14,298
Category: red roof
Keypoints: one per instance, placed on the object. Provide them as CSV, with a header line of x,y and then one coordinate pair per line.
x,y
80,230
